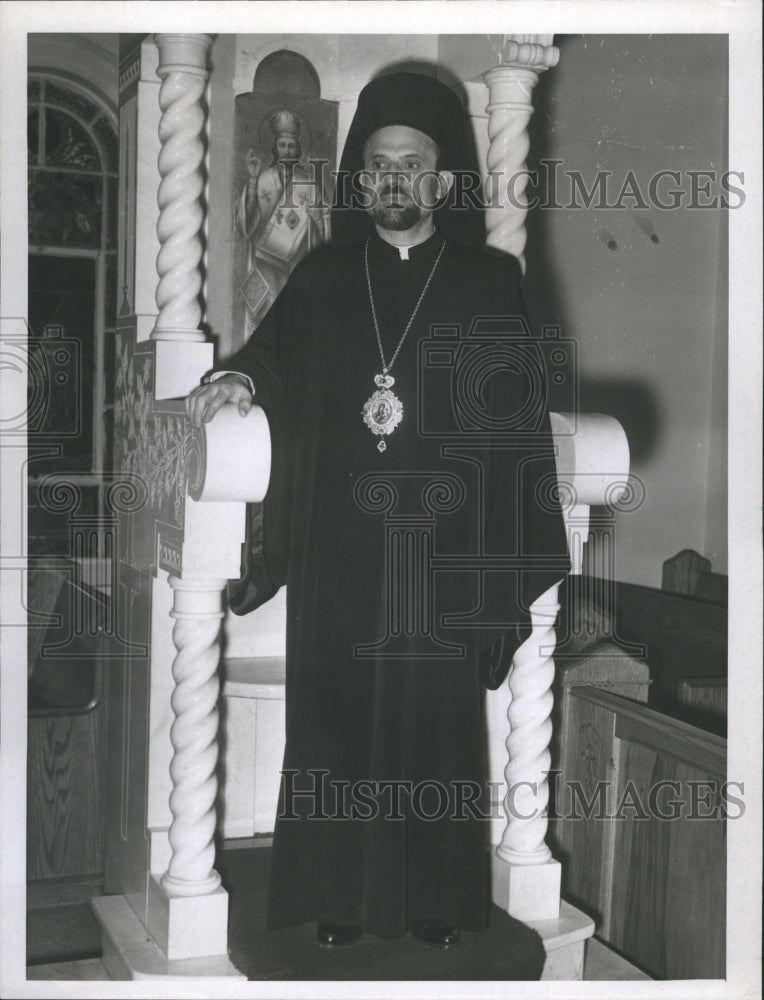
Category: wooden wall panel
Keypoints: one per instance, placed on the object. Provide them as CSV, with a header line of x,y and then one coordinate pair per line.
x,y
641,863
603,666
669,876
696,891
584,844
65,795
652,869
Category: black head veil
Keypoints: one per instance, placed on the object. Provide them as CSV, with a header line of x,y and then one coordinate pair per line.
x,y
429,106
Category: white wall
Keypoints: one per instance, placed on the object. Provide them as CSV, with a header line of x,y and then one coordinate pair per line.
x,y
649,317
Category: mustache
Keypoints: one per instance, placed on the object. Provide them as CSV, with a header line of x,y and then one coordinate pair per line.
x,y
392,189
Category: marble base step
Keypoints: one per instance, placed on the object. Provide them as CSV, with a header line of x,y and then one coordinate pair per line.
x,y
564,941
129,952
602,964
573,953
84,970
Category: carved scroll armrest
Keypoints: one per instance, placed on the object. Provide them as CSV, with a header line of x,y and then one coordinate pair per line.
x,y
231,457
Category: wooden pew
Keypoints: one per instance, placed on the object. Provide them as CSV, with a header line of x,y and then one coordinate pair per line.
x,y
690,574
706,695
677,636
67,670
643,805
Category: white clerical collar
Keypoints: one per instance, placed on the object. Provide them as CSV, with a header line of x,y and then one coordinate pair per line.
x,y
404,250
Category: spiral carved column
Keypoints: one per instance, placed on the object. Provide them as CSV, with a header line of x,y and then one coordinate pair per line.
x,y
198,613
183,70
530,731
510,87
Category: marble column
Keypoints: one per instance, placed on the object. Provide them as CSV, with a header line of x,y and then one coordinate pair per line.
x,y
180,343
510,106
183,71
167,914
198,612
592,459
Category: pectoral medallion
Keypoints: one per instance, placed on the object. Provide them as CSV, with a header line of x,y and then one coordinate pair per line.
x,y
383,411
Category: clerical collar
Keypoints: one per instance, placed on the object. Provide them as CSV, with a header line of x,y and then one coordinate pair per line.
x,y
427,250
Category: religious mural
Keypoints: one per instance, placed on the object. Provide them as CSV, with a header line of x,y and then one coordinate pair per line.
x,y
285,151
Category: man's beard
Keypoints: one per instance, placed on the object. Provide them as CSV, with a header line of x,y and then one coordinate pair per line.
x,y
397,218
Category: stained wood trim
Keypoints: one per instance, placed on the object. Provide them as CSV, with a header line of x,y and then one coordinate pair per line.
x,y
64,891
65,796
239,843
704,621
641,725
609,841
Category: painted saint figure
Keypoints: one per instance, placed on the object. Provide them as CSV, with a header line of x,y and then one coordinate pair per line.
x,y
282,213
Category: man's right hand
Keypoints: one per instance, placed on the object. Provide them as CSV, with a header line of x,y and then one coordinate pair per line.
x,y
204,402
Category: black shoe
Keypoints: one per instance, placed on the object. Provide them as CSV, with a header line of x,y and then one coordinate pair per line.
x,y
330,935
434,933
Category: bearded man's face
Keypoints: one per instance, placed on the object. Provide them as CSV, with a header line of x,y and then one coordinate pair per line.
x,y
401,164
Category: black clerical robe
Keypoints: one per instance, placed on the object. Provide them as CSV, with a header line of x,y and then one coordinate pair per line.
x,y
391,595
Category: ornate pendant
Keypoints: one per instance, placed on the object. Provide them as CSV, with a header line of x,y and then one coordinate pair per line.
x,y
383,411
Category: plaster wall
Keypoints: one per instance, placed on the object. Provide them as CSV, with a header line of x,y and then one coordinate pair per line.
x,y
643,289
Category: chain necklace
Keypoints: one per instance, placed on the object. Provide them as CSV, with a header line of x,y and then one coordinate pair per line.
x,y
383,411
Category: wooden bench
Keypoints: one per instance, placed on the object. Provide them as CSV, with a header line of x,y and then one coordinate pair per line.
x,y
643,805
678,637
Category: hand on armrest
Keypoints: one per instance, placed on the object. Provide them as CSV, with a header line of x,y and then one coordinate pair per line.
x,y
203,402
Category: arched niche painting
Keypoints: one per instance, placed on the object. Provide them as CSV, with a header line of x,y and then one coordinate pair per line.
x,y
285,141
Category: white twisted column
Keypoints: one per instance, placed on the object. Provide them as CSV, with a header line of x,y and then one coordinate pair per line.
x,y
510,87
228,464
592,465
530,732
183,70
198,613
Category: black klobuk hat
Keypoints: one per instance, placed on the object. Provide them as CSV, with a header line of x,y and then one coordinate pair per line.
x,y
423,103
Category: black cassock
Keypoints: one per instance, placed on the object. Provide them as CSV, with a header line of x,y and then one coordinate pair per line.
x,y
390,597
